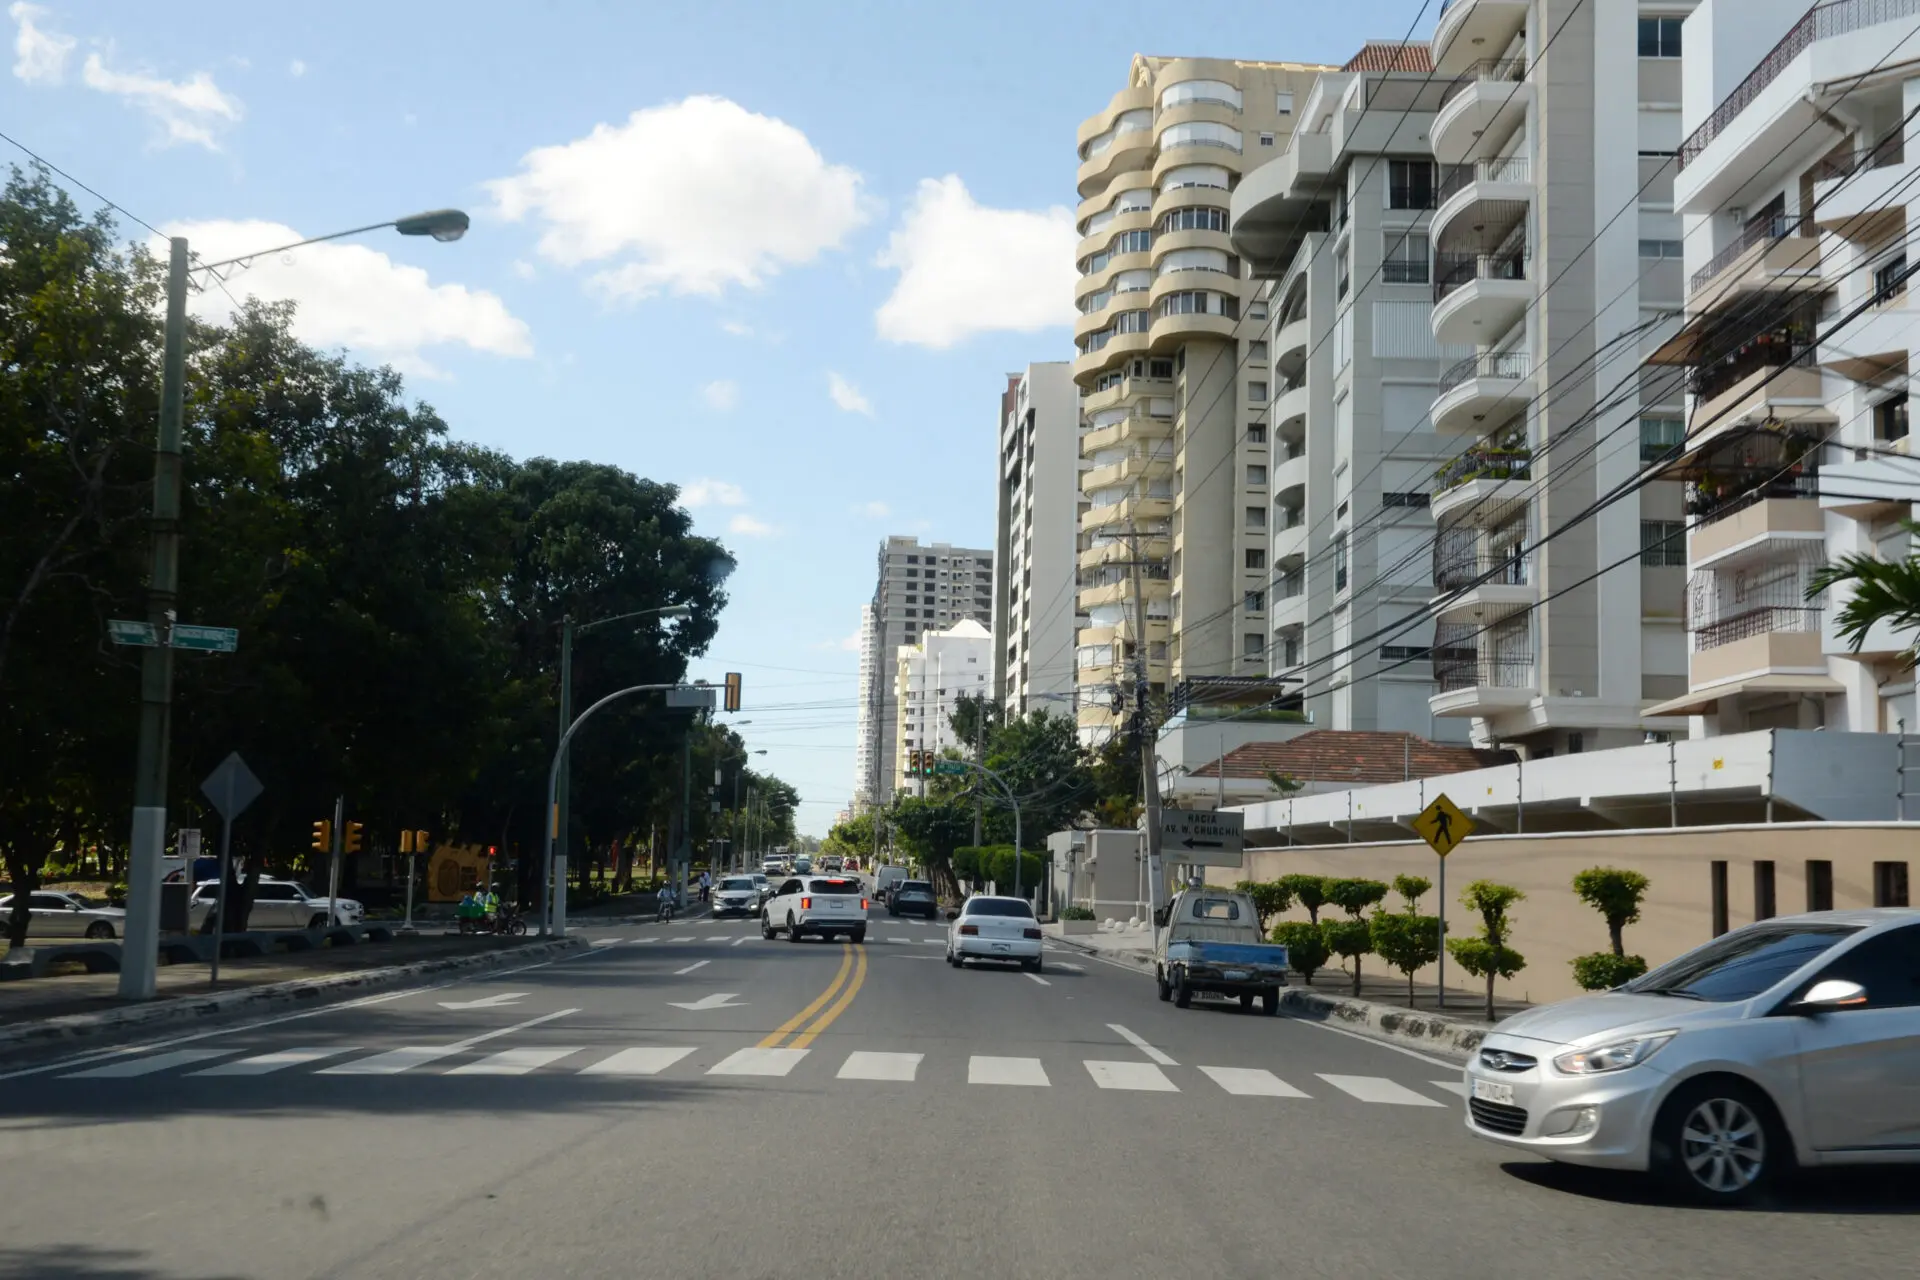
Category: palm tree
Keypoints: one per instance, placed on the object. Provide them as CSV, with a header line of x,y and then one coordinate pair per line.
x,y
1883,591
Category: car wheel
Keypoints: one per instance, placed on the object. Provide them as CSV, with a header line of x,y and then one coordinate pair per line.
x,y
1246,1002
953,959
793,930
1033,965
1182,996
99,929
1716,1142
858,935
1270,1001
1161,984
766,926
318,922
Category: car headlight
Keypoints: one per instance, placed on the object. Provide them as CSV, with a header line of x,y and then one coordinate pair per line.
x,y
1617,1056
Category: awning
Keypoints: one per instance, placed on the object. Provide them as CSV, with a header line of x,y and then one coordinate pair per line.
x,y
1702,699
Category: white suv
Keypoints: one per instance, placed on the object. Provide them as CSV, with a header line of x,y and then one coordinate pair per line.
x,y
821,906
277,904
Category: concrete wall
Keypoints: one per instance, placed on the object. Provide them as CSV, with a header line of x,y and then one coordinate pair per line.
x,y
1552,926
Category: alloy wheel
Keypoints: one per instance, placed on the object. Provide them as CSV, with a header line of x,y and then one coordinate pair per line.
x,y
1723,1146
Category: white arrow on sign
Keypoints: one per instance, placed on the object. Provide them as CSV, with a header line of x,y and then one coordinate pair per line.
x,y
484,1002
725,1000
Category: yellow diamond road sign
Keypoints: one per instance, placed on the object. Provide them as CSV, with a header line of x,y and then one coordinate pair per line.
x,y
1442,825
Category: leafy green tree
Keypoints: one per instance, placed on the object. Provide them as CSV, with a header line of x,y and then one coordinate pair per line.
x,y
1115,775
1040,758
1411,889
1405,940
975,718
1349,939
1616,895
1271,898
1281,782
1488,956
1355,896
1306,946
930,828
1309,891
1883,591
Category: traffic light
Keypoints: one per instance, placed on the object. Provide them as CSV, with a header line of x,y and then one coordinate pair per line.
x,y
406,842
422,843
323,835
353,837
733,691
413,842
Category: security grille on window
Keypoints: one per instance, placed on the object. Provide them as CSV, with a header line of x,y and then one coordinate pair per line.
x,y
1663,544
1256,434
1410,184
1890,280
1340,563
1407,259
1266,139
1256,558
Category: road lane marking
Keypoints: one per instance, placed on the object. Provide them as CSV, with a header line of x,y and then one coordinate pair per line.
x,y
1134,1040
1355,1035
743,938
720,937
606,942
865,1065
685,938
147,1066
1456,1087
394,1061
636,1062
514,1062
266,1063
792,1024
758,1061
680,973
1251,1082
1037,978
1140,1076
1379,1089
839,1006
1013,1071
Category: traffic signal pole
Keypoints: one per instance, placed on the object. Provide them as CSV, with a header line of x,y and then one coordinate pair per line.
x,y
333,867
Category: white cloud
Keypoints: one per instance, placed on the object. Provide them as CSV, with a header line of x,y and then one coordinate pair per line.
x,y
352,296
736,328
39,54
848,396
720,394
749,527
691,197
188,110
296,68
967,269
873,510
701,493
524,269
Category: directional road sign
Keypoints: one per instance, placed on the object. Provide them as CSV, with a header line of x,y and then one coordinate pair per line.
x,y
142,634
949,766
1205,838
209,639
231,787
1442,825
691,697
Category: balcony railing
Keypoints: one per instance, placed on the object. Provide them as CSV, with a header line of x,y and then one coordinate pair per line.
x,y
1457,270
1458,671
1757,622
1715,497
1835,18
1454,571
1770,350
1485,71
1458,177
1884,154
1484,464
1760,231
1500,364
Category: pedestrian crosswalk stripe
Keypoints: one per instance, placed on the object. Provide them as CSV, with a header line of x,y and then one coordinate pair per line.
x,y
1457,1087
1379,1089
1142,1076
758,1062
127,1069
685,938
514,1062
393,1061
1018,1071
1252,1082
864,1065
720,937
649,1061
267,1063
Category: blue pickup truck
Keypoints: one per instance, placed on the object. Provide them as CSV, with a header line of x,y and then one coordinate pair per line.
x,y
1210,945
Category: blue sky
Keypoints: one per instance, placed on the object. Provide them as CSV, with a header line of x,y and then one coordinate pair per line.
x,y
779,254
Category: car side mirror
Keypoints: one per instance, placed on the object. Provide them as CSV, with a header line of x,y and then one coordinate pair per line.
x,y
73,906
1830,994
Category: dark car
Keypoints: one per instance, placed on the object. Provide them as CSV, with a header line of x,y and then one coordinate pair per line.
x,y
913,898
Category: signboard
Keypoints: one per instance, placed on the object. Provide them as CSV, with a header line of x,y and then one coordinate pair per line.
x,y
231,787
1202,837
207,639
691,697
188,847
949,766
121,631
1442,825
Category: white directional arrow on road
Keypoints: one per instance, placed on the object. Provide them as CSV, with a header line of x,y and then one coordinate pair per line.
x,y
484,1002
725,1000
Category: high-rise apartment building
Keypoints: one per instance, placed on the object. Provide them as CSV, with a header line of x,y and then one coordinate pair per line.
x,y
919,588
1036,609
929,679
1339,225
1178,489
1796,182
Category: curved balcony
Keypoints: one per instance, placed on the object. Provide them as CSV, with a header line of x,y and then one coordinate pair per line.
x,y
1135,97
1196,153
1165,202
1169,332
1095,281
1120,349
1481,392
1290,545
1121,592
1480,203
1194,239
1478,296
1138,463
1191,281
1484,487
1472,29
1153,547
1137,510
1289,412
1128,153
1291,341
1480,110
1139,427
1095,241
1289,476
1198,109
1480,586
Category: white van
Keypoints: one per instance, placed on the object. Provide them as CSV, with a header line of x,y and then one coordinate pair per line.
x,y
885,878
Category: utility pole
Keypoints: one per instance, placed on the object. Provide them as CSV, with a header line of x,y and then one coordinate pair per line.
x,y
1149,762
979,733
563,811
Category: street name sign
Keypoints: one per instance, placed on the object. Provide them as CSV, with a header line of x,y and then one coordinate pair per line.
x,y
949,766
691,697
124,631
206,639
1442,825
1208,838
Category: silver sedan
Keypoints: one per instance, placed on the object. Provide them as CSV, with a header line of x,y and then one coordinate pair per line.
x,y
59,914
1793,1041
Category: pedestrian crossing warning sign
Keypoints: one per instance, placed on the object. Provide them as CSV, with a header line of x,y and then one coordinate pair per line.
x,y
1442,825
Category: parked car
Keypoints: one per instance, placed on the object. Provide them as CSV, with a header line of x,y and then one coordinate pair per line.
x,y
822,906
803,865
913,898
736,894
1790,1042
59,914
993,928
885,878
1210,944
277,904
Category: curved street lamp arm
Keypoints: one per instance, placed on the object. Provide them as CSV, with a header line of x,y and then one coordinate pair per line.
x,y
297,244
679,610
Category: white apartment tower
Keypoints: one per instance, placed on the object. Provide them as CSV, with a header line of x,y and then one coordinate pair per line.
x,y
1036,609
929,678
919,588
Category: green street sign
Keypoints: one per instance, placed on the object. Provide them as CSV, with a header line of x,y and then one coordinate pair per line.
x,y
207,639
142,634
949,766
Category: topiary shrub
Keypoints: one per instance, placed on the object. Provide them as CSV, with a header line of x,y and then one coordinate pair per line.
x,y
1603,970
1306,947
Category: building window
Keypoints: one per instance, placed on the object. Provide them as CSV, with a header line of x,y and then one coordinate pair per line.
x,y
1890,884
913,573
1890,280
913,560
1256,476
1257,392
1660,437
1160,369
1257,309
1410,184
1256,434
1283,103
1340,562
1407,260
1763,902
1257,351
1256,601
1663,544
1256,517
1341,275
1406,499
1404,652
1266,139
1576,743
1195,220
1253,646
1890,419
1256,558
1717,884
1660,38
1819,884
1660,249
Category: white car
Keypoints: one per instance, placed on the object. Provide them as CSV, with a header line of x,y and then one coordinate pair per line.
x,y
989,928
58,914
735,894
762,888
277,904
821,906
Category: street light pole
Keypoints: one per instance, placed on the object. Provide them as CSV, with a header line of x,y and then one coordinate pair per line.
x,y
140,946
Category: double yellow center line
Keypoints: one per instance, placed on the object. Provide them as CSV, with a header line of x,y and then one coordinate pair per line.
x,y
853,961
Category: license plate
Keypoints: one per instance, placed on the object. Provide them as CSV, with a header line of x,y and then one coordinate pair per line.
x,y
836,902
1003,946
1489,1091
1235,975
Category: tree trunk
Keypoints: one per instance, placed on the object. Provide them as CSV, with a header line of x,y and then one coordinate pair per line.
x,y
1356,977
1613,931
1490,977
1409,988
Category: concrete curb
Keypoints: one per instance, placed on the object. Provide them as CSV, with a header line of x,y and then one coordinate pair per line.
x,y
268,995
1142,958
1428,1032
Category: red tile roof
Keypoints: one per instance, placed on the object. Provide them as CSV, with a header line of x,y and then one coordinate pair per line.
x,y
1391,55
1354,756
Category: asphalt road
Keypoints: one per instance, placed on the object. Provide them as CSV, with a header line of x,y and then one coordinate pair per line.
x,y
847,1111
